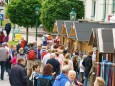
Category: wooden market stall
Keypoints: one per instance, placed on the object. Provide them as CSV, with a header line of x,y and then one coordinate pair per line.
x,y
104,40
66,41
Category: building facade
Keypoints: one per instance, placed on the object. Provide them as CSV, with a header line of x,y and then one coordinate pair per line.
x,y
99,10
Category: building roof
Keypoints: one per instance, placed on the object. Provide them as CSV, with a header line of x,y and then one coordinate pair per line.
x,y
83,29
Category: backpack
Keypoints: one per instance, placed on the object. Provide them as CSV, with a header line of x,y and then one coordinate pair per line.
x,y
44,82
31,55
43,54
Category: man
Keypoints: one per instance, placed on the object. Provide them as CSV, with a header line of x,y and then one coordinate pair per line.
x,y
72,78
54,63
87,63
62,79
7,28
46,57
18,76
3,57
31,56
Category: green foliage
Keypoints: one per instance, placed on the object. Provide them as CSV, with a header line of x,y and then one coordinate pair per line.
x,y
22,12
59,10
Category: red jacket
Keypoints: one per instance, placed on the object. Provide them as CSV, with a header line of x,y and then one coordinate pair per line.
x,y
2,37
23,43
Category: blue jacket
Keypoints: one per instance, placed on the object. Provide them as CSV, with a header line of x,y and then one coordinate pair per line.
x,y
61,80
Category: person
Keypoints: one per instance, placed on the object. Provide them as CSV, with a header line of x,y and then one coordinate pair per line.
x,y
18,46
31,56
57,39
82,69
75,63
21,53
62,79
3,57
46,57
44,39
18,76
1,37
39,52
44,51
87,63
7,28
47,75
59,59
70,62
99,82
34,71
23,42
14,60
73,79
54,63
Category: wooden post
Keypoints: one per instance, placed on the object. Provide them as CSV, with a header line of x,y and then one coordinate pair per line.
x,y
114,58
97,56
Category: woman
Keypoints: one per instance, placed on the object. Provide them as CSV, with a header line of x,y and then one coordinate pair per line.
x,y
46,77
75,63
70,62
34,72
82,69
99,82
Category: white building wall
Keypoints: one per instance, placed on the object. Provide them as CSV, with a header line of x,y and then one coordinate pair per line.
x,y
88,9
99,10
99,13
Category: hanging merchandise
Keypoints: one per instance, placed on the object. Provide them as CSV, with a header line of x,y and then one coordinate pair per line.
x,y
107,71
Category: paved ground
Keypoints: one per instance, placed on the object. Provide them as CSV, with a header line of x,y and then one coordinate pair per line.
x,y
5,82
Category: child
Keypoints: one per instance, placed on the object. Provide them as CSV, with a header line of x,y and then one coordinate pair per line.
x,y
34,71
14,60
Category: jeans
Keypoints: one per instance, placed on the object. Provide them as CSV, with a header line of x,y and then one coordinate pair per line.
x,y
2,63
85,81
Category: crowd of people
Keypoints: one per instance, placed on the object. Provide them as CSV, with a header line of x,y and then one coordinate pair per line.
x,y
47,64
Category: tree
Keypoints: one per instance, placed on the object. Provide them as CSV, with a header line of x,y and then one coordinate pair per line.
x,y
59,9
22,13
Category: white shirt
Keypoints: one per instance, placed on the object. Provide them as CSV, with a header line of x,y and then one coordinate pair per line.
x,y
81,66
46,57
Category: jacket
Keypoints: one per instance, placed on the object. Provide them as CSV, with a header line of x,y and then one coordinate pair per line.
x,y
87,63
3,54
61,80
18,76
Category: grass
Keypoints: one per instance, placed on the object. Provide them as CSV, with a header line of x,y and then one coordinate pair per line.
x,y
13,42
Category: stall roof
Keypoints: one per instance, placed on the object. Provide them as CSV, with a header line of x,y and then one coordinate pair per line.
x,y
68,25
59,24
83,29
105,39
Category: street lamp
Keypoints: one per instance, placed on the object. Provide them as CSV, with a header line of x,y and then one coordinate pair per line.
x,y
37,14
73,15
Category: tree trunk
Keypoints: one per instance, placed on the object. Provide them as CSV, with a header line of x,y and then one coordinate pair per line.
x,y
27,34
